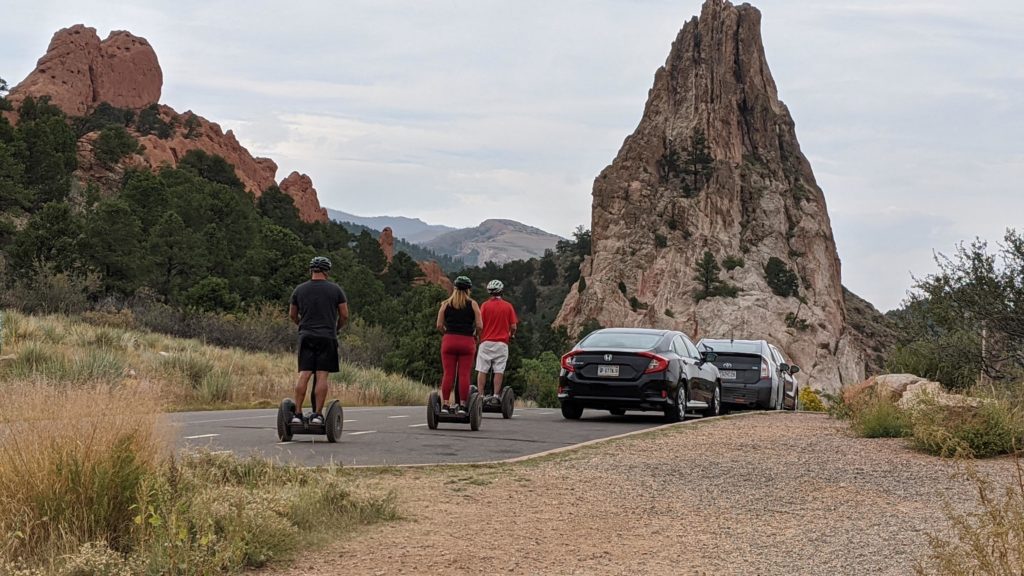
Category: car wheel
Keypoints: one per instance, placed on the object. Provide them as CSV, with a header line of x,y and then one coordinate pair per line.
x,y
617,412
715,407
675,412
571,411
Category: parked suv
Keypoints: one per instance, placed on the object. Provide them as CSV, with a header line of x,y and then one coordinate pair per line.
x,y
619,369
754,373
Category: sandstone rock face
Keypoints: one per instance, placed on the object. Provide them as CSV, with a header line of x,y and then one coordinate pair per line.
x,y
433,274
387,243
907,391
300,188
79,71
658,207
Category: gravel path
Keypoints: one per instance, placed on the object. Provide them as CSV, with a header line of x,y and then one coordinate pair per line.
x,y
752,494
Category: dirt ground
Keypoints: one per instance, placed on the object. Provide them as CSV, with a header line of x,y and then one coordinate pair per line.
x,y
750,494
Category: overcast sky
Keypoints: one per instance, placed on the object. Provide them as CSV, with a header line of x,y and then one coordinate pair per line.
x,y
911,112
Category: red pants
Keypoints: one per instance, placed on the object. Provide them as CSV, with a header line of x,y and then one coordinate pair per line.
x,y
457,353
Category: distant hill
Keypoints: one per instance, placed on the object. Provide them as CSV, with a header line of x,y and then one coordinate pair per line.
x,y
416,251
411,229
497,241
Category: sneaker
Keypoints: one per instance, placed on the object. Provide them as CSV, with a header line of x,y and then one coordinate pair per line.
x,y
494,400
462,409
446,409
316,419
296,419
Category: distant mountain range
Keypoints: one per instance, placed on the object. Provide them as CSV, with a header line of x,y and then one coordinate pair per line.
x,y
412,230
497,241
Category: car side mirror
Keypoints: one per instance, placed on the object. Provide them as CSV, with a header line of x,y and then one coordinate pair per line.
x,y
709,356
783,367
794,369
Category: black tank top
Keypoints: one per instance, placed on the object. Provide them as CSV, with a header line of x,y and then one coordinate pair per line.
x,y
459,321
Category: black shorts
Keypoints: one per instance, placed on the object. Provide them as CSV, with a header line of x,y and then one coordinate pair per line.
x,y
318,354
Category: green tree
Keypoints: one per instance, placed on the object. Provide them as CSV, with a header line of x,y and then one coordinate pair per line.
x,y
548,269
173,249
527,296
13,193
783,281
112,243
48,150
50,236
698,162
368,251
113,144
210,167
279,208
709,281
401,273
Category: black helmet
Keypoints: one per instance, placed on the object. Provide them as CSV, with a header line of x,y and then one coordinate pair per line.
x,y
463,283
319,264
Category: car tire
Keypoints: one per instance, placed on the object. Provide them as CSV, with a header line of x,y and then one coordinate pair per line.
x,y
617,411
674,412
571,411
715,407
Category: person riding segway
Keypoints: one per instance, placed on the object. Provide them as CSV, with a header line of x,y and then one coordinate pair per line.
x,y
320,309
459,319
499,328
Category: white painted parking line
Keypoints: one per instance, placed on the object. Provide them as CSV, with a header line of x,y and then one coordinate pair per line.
x,y
403,416
201,436
417,425
347,421
544,413
363,432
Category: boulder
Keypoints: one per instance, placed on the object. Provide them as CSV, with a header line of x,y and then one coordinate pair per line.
x,y
387,243
300,188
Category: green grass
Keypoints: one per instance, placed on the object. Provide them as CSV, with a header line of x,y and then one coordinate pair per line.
x,y
880,418
187,374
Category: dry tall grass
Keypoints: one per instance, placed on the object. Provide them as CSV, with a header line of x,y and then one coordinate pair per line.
x,y
73,461
186,374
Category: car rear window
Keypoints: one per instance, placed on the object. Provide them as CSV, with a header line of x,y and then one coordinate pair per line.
x,y
621,340
738,347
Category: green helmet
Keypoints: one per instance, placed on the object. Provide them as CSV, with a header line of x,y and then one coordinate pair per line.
x,y
463,283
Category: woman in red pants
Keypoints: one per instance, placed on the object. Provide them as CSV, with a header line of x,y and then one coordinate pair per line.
x,y
459,319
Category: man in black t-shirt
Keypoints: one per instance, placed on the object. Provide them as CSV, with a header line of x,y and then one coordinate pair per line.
x,y
320,309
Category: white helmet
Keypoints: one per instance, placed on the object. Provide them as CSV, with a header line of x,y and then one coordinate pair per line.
x,y
495,286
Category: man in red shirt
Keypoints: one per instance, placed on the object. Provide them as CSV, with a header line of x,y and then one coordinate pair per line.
x,y
500,321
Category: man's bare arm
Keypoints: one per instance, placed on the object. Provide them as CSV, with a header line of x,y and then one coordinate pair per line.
x,y
293,313
342,315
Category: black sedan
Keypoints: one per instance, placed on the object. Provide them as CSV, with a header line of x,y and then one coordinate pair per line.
x,y
620,369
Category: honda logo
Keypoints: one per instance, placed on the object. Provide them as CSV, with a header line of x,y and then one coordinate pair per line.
x,y
607,357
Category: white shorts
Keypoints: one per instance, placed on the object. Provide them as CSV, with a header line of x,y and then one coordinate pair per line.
x,y
491,355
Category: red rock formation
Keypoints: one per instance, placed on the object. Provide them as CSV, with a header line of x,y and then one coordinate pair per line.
x,y
433,274
300,188
387,243
78,72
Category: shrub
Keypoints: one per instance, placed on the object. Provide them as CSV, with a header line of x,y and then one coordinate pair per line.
x,y
622,287
669,313
539,379
810,401
878,417
113,144
783,281
660,240
732,262
794,321
44,289
990,429
988,541
191,366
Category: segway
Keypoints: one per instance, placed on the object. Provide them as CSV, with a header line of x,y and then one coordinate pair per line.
x,y
472,416
506,403
334,419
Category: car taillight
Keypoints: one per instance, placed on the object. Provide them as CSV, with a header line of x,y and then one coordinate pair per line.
x,y
764,369
657,364
567,363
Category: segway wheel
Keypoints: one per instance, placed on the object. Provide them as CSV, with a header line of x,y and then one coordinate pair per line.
x,y
335,421
508,403
433,410
284,419
476,411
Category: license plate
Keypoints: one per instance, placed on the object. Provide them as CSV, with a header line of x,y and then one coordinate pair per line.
x,y
610,371
727,374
